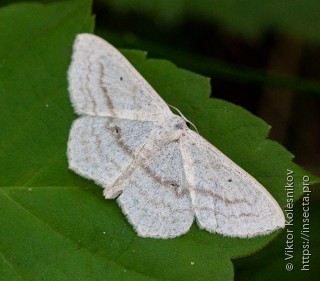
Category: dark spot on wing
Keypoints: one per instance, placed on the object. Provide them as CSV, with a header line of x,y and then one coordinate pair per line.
x,y
116,130
179,126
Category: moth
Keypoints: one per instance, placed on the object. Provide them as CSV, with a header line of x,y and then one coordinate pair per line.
x,y
163,174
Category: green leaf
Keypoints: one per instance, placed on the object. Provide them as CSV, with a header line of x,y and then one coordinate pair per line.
x,y
55,225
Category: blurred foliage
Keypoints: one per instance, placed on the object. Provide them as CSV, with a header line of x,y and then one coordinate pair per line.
x,y
216,68
246,18
161,27
250,18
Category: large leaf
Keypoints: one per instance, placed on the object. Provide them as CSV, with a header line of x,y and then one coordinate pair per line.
x,y
56,225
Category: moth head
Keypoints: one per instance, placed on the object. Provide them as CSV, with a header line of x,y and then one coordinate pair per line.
x,y
172,129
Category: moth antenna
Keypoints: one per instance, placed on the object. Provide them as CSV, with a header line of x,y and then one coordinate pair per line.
x,y
184,118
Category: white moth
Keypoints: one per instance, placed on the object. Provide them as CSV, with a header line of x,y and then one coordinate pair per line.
x,y
164,174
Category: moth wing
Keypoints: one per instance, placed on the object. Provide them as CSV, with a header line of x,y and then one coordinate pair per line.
x,y
155,198
103,83
226,199
103,148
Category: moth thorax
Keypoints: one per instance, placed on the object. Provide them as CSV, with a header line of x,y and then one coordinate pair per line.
x,y
171,129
